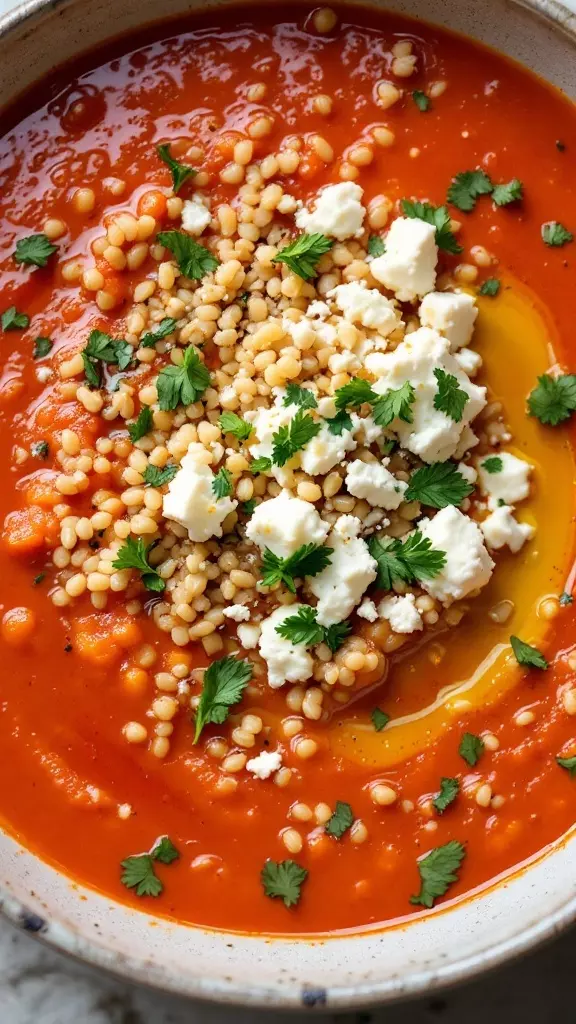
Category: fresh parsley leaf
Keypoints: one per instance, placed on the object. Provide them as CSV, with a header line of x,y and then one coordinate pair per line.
x,y
308,560
466,187
184,384
261,465
154,477
101,348
527,655
283,880
295,395
376,246
340,821
40,449
224,683
134,555
302,255
439,217
493,464
302,628
138,874
290,439
249,506
448,793
410,561
222,484
379,719
553,399
450,398
164,851
143,425
38,579
491,287
194,260
510,192
354,394
438,870
438,485
335,635
421,100
340,422
42,347
180,173
35,250
235,425
565,599
12,320
569,763
555,234
166,326
394,404
471,748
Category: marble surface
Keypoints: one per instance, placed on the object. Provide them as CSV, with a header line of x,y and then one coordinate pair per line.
x,y
38,986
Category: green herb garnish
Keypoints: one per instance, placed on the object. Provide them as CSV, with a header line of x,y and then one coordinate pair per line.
x,y
553,400
308,560
166,326
410,561
466,187
143,425
450,398
235,425
439,217
12,320
555,234
302,255
283,880
292,438
340,821
448,792
35,250
155,477
184,384
438,485
134,555
438,870
527,655
42,347
421,100
194,260
303,397
471,748
180,173
222,484
379,719
224,683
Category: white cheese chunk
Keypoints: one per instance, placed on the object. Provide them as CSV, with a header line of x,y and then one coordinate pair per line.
x,y
500,528
238,612
284,524
375,483
469,361
195,216
190,499
338,212
344,362
249,635
367,610
509,484
401,613
466,442
468,472
286,662
339,587
318,309
368,429
432,434
408,266
468,564
366,306
326,450
266,423
264,764
452,314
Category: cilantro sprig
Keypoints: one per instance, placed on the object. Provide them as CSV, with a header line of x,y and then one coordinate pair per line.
x,y
224,683
101,348
304,628
421,100
569,764
222,484
42,348
439,217
376,246
490,287
354,394
180,172
527,655
471,748
296,395
394,404
194,260
166,326
555,235
508,192
553,400
233,424
339,423
449,789
138,871
493,464
438,485
184,384
155,477
302,255
466,187
290,439
379,719
12,320
134,555
142,426
438,870
450,398
307,560
283,880
34,250
410,561
341,820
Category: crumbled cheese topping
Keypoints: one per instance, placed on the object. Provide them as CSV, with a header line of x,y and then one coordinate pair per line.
x,y
264,764
366,306
341,584
468,565
452,314
372,481
408,266
510,484
284,524
190,500
287,662
501,529
195,215
338,212
401,613
238,612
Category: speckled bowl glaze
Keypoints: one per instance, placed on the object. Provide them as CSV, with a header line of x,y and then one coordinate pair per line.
x,y
440,948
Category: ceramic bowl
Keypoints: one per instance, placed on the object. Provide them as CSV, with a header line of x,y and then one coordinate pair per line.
x,y
442,947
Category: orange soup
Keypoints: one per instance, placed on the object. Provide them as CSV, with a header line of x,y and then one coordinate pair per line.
x,y
288,517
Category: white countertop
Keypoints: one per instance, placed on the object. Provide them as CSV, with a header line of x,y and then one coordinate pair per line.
x,y
38,986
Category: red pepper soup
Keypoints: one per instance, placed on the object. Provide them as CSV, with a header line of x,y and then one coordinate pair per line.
x,y
288,513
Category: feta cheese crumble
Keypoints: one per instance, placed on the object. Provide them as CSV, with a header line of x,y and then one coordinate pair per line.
x,y
500,528
195,216
401,613
190,500
338,212
341,584
468,565
367,610
284,524
468,360
408,267
238,612
264,764
287,662
452,314
366,306
375,483
249,635
509,484
326,450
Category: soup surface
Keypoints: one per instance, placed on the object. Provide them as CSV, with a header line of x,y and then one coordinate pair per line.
x,y
276,298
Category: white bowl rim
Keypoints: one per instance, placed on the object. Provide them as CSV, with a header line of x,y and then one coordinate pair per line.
x,y
64,939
